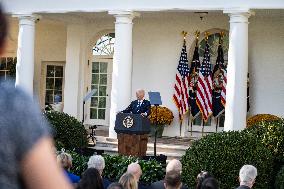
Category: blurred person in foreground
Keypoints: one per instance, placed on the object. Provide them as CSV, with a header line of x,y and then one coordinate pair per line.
x,y
247,177
26,151
65,160
210,183
128,181
173,165
172,180
201,177
98,162
115,185
91,179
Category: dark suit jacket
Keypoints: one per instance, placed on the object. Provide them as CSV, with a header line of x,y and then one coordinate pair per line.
x,y
243,187
160,185
134,108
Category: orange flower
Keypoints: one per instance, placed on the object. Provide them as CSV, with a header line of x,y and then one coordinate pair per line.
x,y
164,115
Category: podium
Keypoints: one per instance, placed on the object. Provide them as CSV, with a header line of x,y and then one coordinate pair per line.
x,y
132,133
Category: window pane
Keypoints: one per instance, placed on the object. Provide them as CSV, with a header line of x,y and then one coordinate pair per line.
x,y
10,61
50,71
101,114
49,83
95,67
95,78
93,113
2,74
208,122
3,63
58,71
197,120
102,102
103,67
49,97
95,87
58,83
103,79
57,96
94,101
102,91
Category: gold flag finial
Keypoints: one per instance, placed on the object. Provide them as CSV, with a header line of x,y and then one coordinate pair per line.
x,y
222,34
197,34
206,35
184,33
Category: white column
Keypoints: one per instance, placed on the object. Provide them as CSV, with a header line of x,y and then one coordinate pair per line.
x,y
236,92
25,53
122,66
72,90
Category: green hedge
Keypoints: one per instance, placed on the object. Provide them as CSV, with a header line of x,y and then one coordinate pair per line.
x,y
279,181
223,154
69,133
116,165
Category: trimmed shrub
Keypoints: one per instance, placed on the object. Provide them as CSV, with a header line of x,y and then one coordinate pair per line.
x,y
79,163
117,165
271,134
258,118
223,154
279,181
69,133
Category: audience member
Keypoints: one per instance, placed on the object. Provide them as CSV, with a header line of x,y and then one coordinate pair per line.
x,y
247,176
98,162
115,185
91,179
210,183
128,181
173,165
65,160
201,177
172,180
135,170
26,150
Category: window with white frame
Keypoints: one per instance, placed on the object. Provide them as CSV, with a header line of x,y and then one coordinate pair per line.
x,y
8,67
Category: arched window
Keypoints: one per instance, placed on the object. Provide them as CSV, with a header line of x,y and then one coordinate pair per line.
x,y
104,45
213,41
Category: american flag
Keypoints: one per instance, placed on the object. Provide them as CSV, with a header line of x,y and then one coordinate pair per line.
x,y
180,96
223,92
204,86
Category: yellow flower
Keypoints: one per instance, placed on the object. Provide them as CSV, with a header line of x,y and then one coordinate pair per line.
x,y
164,115
261,117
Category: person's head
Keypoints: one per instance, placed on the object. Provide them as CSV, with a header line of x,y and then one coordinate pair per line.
x,y
115,185
140,93
128,181
173,180
65,160
201,177
98,162
174,165
135,170
247,175
91,179
3,30
210,183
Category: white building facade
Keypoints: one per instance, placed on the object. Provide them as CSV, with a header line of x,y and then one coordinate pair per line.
x,y
66,48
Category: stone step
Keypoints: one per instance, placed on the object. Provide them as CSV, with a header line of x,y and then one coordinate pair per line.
x,y
110,146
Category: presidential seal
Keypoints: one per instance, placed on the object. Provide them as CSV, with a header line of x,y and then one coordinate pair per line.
x,y
128,122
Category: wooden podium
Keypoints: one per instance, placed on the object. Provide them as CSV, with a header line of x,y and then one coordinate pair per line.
x,y
132,130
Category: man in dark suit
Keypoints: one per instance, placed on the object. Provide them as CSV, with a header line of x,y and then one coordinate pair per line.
x,y
139,106
173,166
247,176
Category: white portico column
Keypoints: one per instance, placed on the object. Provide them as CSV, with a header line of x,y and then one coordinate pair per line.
x,y
236,91
25,53
122,65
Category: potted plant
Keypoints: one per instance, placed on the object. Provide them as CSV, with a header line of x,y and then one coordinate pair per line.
x,y
159,117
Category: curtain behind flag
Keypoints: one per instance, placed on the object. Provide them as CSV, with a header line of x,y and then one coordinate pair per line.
x,y
218,81
204,86
194,70
181,96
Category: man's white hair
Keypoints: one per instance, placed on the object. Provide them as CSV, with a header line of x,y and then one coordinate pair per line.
x,y
97,161
174,165
247,175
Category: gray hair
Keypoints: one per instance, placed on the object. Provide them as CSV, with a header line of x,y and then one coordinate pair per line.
x,y
247,174
97,161
174,165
